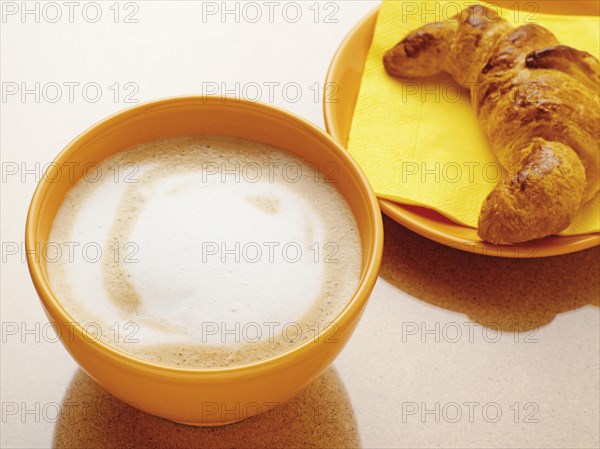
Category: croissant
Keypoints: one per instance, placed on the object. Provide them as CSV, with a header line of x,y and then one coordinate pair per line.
x,y
538,103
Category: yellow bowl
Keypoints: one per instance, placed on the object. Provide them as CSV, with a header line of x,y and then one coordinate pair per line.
x,y
345,72
215,396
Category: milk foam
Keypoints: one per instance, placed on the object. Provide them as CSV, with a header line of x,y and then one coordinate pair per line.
x,y
215,251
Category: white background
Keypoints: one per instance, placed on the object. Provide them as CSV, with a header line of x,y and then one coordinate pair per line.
x,y
175,49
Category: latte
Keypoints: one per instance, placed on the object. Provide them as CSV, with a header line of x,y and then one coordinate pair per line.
x,y
205,251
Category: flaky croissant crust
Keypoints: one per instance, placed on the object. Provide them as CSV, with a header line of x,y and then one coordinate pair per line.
x,y
537,101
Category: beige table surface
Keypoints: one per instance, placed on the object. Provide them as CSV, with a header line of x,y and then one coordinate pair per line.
x,y
421,370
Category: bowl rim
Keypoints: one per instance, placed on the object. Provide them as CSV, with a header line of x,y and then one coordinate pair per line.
x,y
345,316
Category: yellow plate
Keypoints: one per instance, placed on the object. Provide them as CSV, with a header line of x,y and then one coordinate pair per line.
x,y
346,71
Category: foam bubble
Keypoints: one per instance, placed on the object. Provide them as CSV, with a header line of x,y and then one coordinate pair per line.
x,y
218,251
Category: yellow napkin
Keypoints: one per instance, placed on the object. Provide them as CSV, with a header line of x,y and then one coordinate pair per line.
x,y
420,143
